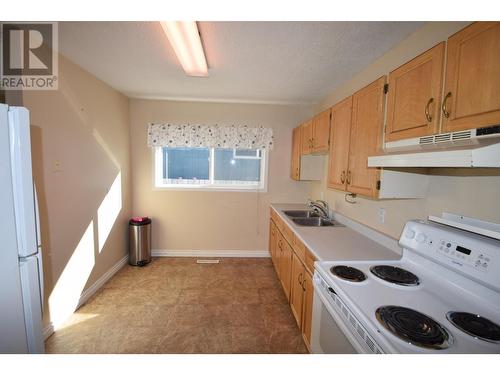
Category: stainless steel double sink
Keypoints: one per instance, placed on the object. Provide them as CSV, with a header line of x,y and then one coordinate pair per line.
x,y
308,218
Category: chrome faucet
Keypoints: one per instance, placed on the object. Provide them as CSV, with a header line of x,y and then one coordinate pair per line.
x,y
319,206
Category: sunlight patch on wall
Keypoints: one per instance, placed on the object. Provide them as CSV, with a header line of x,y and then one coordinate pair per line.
x,y
108,211
105,147
64,298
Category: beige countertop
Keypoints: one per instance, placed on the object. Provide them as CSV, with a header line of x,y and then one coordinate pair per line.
x,y
339,243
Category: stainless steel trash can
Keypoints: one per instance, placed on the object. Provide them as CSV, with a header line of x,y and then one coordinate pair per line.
x,y
140,241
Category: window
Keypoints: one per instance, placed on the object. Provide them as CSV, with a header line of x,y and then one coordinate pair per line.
x,y
210,168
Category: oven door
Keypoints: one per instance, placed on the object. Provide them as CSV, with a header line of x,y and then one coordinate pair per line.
x,y
326,336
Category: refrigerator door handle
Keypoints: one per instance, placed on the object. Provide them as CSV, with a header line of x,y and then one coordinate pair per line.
x,y
39,244
40,279
30,286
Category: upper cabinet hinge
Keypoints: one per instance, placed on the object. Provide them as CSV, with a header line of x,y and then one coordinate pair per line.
x,y
378,185
386,88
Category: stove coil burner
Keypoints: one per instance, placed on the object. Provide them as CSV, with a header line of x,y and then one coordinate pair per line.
x,y
395,275
475,325
348,273
413,327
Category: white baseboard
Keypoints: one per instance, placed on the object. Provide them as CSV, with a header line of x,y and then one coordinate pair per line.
x,y
90,291
211,253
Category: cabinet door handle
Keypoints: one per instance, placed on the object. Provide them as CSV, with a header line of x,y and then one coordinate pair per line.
x,y
342,176
444,107
428,116
348,177
304,285
300,278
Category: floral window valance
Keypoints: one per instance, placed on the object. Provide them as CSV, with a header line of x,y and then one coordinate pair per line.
x,y
207,136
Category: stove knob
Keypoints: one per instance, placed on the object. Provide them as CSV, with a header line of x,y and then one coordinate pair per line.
x,y
421,237
410,234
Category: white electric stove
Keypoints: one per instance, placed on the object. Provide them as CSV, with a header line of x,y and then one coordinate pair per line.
x,y
442,296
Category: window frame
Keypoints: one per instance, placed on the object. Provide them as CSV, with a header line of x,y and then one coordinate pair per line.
x,y
157,169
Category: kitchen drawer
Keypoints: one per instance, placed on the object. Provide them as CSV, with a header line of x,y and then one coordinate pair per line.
x,y
299,248
287,232
309,260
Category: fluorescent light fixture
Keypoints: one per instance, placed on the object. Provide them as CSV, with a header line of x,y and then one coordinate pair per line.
x,y
185,40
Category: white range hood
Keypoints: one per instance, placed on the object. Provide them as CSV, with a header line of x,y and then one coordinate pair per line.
x,y
467,149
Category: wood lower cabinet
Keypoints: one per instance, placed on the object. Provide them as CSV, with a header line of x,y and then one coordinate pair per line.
x,y
472,84
414,96
295,164
308,290
272,242
294,265
297,293
285,264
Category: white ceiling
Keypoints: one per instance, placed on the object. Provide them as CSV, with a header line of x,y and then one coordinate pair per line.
x,y
288,62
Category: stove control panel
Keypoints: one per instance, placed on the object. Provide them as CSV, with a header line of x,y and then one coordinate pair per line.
x,y
477,259
468,253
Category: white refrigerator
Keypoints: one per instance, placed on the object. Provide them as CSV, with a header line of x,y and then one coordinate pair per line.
x,y
21,277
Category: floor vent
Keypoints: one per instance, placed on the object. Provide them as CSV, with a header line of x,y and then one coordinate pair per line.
x,y
207,261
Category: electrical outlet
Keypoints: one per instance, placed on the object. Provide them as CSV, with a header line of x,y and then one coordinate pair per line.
x,y
57,166
381,215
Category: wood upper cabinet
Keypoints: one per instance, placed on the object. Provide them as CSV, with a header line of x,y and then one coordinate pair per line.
x,y
366,131
315,134
308,289
340,132
295,164
306,146
414,96
472,84
357,124
296,292
321,132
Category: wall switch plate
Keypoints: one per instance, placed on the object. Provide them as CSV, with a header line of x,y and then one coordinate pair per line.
x,y
381,215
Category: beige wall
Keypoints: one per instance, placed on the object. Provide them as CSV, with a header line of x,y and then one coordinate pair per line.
x,y
463,191
80,143
213,220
